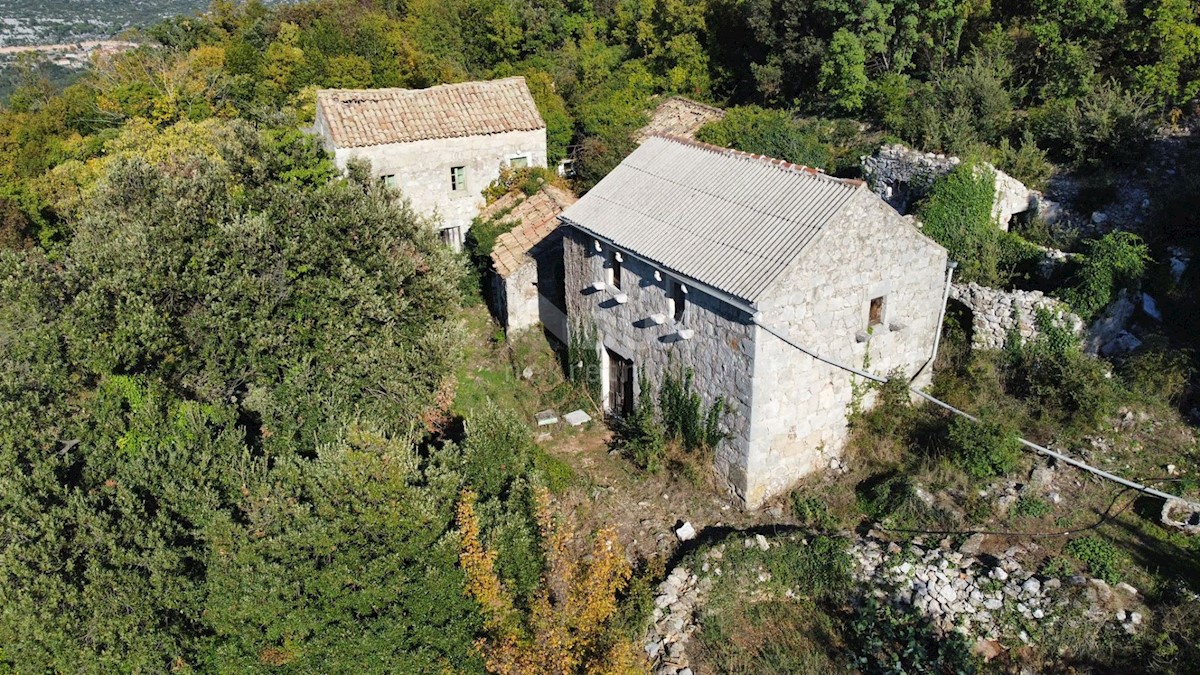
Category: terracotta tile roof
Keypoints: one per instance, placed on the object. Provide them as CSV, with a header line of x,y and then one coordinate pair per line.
x,y
536,218
679,116
361,117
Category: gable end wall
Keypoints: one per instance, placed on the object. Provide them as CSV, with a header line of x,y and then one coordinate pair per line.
x,y
822,302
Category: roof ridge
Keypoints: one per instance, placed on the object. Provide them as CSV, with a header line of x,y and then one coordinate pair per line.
x,y
444,85
781,164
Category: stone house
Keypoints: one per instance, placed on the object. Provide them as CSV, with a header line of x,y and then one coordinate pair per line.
x,y
693,256
526,285
439,146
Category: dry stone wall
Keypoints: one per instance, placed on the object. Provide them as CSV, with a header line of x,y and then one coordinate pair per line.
x,y
995,313
901,175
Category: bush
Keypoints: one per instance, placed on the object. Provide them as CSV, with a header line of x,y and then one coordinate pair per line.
x,y
957,213
886,639
683,414
1116,259
1159,374
812,512
1030,507
641,437
774,133
1061,383
1025,162
1102,558
1105,128
984,449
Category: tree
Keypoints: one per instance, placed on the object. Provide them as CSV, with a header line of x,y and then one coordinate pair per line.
x,y
843,72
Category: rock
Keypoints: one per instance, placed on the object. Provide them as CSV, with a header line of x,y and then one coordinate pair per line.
x,y
763,544
1127,588
527,374
686,532
1099,217
972,545
1135,618
947,594
577,417
1150,307
1054,498
1032,586
998,574
993,604
546,418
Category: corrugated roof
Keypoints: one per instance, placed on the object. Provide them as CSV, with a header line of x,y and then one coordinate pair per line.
x,y
727,219
536,217
361,117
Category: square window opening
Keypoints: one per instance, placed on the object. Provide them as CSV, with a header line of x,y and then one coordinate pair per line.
x,y
614,270
449,237
519,162
458,178
389,181
875,317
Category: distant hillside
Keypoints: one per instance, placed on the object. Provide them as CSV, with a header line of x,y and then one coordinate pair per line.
x,y
26,22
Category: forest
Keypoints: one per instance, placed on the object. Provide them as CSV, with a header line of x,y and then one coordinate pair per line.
x,y
227,434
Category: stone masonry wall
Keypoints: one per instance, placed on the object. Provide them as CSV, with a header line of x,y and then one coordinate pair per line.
x,y
721,350
521,298
995,313
823,303
422,169
901,175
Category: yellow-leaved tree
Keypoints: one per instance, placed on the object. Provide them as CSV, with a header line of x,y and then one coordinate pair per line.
x,y
569,628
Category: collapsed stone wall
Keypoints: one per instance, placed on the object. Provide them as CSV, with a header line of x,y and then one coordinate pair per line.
x,y
995,313
901,176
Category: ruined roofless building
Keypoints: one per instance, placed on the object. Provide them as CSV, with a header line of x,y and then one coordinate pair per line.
x,y
690,256
439,146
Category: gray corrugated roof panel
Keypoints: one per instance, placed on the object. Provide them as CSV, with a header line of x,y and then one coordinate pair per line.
x,y
724,218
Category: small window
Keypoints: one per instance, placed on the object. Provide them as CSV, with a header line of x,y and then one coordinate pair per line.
x,y
458,178
389,181
677,295
875,318
614,269
449,237
519,162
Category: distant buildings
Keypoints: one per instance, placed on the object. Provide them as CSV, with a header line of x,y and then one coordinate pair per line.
x,y
439,146
690,256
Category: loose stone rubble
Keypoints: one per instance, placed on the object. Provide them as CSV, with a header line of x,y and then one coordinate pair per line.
x,y
991,600
996,313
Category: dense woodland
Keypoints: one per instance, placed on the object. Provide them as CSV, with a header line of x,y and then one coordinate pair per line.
x,y
226,433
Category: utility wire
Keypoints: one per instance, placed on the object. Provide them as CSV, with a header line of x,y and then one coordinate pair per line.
x,y
1028,444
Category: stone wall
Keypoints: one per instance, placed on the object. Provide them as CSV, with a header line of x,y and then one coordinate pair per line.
x,y
901,176
995,313
720,349
823,302
422,169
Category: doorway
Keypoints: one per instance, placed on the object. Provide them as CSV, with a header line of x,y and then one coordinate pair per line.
x,y
620,384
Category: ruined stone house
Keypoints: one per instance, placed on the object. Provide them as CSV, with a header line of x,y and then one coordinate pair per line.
x,y
691,256
526,283
441,146
680,117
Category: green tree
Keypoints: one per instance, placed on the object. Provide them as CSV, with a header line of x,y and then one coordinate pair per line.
x,y
843,72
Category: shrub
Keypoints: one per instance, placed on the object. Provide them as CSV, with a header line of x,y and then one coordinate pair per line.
x,y
1107,127
812,512
641,437
886,639
775,133
1030,507
1025,162
1102,558
883,496
1062,384
683,414
1159,374
1118,258
957,213
984,449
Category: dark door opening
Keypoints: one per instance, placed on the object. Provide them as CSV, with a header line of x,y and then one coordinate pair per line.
x,y
620,384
